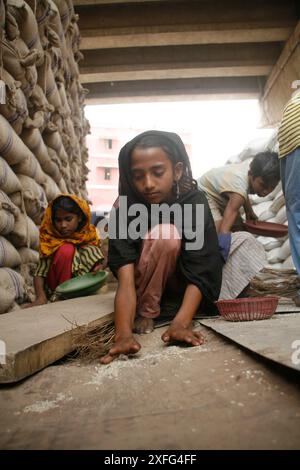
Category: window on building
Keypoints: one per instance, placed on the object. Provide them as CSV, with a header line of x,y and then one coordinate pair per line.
x,y
107,173
109,143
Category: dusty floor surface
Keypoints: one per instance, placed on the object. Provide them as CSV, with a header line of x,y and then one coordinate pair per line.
x,y
216,396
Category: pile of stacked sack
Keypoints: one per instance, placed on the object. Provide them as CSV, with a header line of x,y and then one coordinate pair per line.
x,y
270,208
42,130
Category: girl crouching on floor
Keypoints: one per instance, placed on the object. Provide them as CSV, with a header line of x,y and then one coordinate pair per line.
x,y
154,169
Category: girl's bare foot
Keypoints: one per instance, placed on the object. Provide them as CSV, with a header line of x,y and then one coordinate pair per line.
x,y
143,325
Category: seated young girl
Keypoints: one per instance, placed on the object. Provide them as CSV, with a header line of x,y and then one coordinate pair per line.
x,y
69,245
154,169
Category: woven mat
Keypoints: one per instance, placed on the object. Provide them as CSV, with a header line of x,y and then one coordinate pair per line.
x,y
281,282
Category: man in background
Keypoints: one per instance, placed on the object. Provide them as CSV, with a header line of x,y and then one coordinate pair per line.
x,y
289,158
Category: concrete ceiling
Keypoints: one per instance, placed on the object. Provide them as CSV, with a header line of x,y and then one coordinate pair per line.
x,y
155,49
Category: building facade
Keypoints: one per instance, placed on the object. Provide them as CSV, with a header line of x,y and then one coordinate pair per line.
x,y
104,144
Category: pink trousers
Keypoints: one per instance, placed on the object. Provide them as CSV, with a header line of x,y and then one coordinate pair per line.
x,y
156,265
61,266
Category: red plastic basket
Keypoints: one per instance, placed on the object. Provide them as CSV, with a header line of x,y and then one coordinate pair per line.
x,y
248,309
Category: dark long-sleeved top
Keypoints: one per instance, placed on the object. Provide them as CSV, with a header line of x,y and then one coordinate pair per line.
x,y
201,267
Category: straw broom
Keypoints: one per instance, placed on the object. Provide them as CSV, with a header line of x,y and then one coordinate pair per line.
x,y
91,342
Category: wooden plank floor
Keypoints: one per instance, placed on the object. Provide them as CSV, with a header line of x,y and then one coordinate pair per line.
x,y
35,337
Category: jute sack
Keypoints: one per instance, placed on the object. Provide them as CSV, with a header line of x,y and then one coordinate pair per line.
x,y
63,97
53,167
15,107
39,102
74,89
64,12
9,182
8,212
30,167
14,307
51,189
7,222
34,198
55,158
75,176
79,130
2,13
46,81
66,173
19,236
69,137
37,120
13,283
25,233
7,299
72,67
27,272
33,139
34,195
57,123
28,255
20,63
57,26
17,199
7,204
62,186
53,140
34,234
9,257
75,44
53,170
12,149
27,24
43,17
83,193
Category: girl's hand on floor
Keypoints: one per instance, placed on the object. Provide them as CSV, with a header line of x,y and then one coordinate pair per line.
x,y
40,301
177,332
123,345
98,267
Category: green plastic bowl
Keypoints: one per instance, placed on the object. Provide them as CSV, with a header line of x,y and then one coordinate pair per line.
x,y
82,285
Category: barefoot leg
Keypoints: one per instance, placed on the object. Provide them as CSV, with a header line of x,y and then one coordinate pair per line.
x,y
143,325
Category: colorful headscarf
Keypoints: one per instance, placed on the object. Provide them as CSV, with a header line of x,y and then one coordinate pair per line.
x,y
50,238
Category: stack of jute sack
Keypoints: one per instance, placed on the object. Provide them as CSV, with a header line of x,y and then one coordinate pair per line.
x,y
42,130
270,208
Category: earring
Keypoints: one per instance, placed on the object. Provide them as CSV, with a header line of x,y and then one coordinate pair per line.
x,y
177,190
